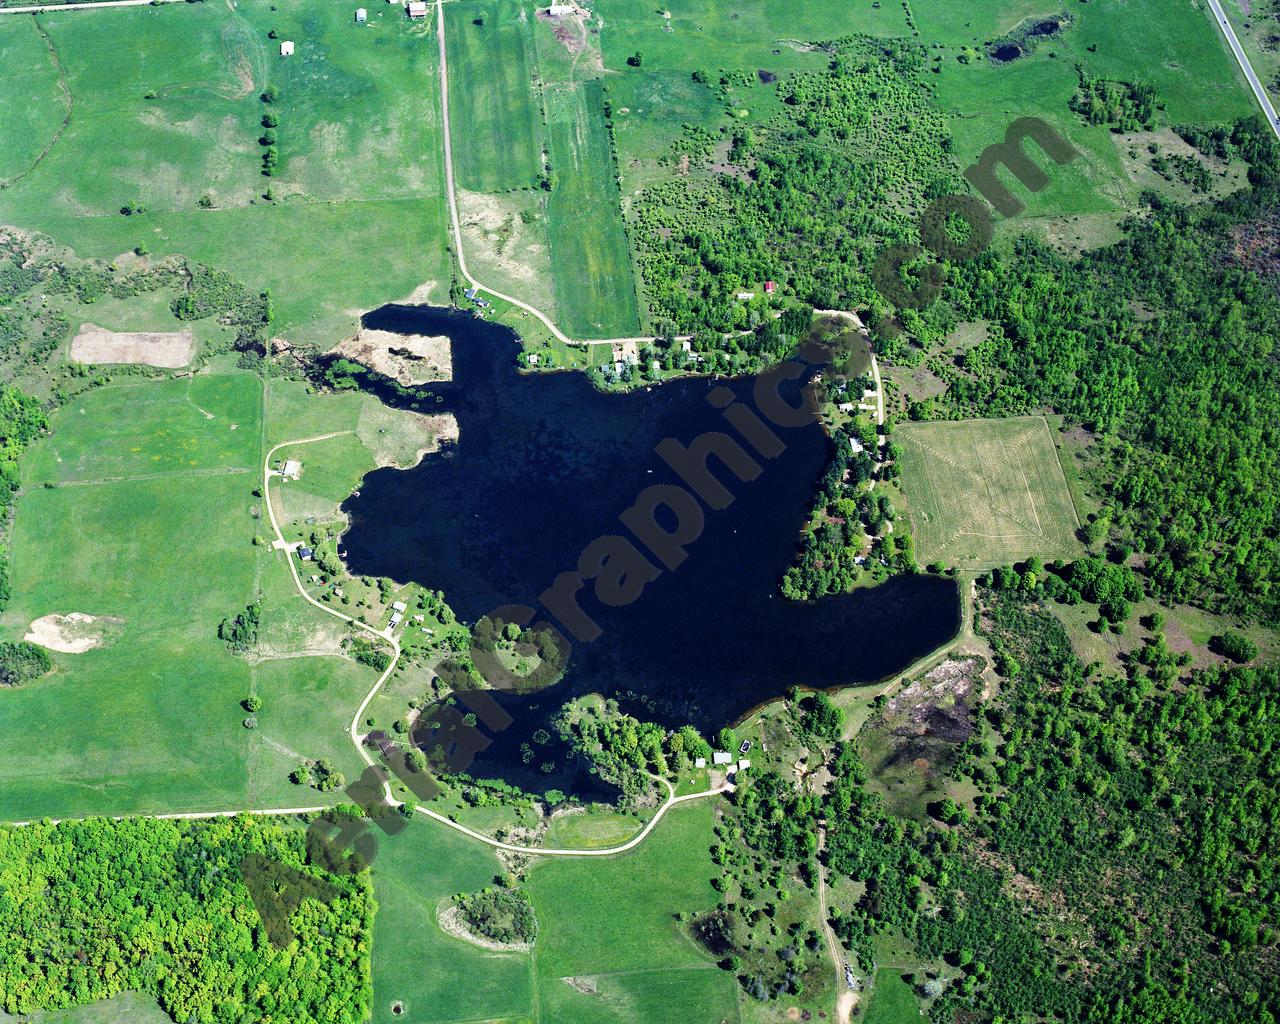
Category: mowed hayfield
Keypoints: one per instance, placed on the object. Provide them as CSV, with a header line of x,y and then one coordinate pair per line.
x,y
167,112
594,284
140,509
498,141
983,493
609,946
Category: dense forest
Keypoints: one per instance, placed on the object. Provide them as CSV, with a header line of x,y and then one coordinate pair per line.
x,y
1119,863
1165,347
804,201
94,908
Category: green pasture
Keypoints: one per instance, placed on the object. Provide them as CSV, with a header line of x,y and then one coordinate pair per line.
x,y
594,284
983,493
36,104
712,34
128,1008
139,508
1174,46
358,216
497,126
892,1001
435,976
611,923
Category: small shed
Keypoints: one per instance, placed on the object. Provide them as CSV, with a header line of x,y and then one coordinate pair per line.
x,y
286,48
743,764
417,9
746,296
770,287
361,15
699,762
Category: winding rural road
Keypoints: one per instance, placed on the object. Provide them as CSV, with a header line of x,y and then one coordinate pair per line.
x,y
1264,100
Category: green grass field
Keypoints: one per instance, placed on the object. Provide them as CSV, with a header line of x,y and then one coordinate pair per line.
x,y
497,126
892,1001
359,215
139,508
594,284
983,493
610,924
129,1008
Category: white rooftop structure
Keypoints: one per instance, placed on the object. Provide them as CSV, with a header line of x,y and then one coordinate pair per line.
x,y
398,606
361,15
699,762
286,48
292,469
743,764
417,9
722,757
559,10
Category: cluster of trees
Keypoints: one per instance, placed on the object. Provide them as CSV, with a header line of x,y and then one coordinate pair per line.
x,y
501,913
20,662
800,203
1166,348
624,751
320,774
210,292
1180,167
850,530
1126,106
22,420
240,634
99,907
366,651
1112,586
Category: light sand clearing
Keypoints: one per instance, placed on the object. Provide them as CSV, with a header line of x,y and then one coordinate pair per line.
x,y
409,358
167,349
70,634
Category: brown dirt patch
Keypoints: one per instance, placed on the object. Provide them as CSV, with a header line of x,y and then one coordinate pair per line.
x,y
409,358
169,350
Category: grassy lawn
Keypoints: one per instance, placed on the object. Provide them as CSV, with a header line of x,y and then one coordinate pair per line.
x,y
611,924
986,492
892,1001
360,153
497,126
594,284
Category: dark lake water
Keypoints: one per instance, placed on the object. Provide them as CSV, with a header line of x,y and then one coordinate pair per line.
x,y
544,465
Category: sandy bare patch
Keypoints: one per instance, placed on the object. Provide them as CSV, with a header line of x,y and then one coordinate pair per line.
x,y
409,358
167,349
449,918
422,294
497,231
73,633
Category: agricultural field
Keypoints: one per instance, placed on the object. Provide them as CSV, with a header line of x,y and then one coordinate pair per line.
x,y
491,95
983,493
140,511
892,1001
168,117
597,298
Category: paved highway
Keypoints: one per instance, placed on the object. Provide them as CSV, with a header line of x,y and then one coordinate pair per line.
x,y
1263,99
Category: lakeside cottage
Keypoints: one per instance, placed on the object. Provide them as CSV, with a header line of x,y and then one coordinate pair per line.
x,y
722,757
